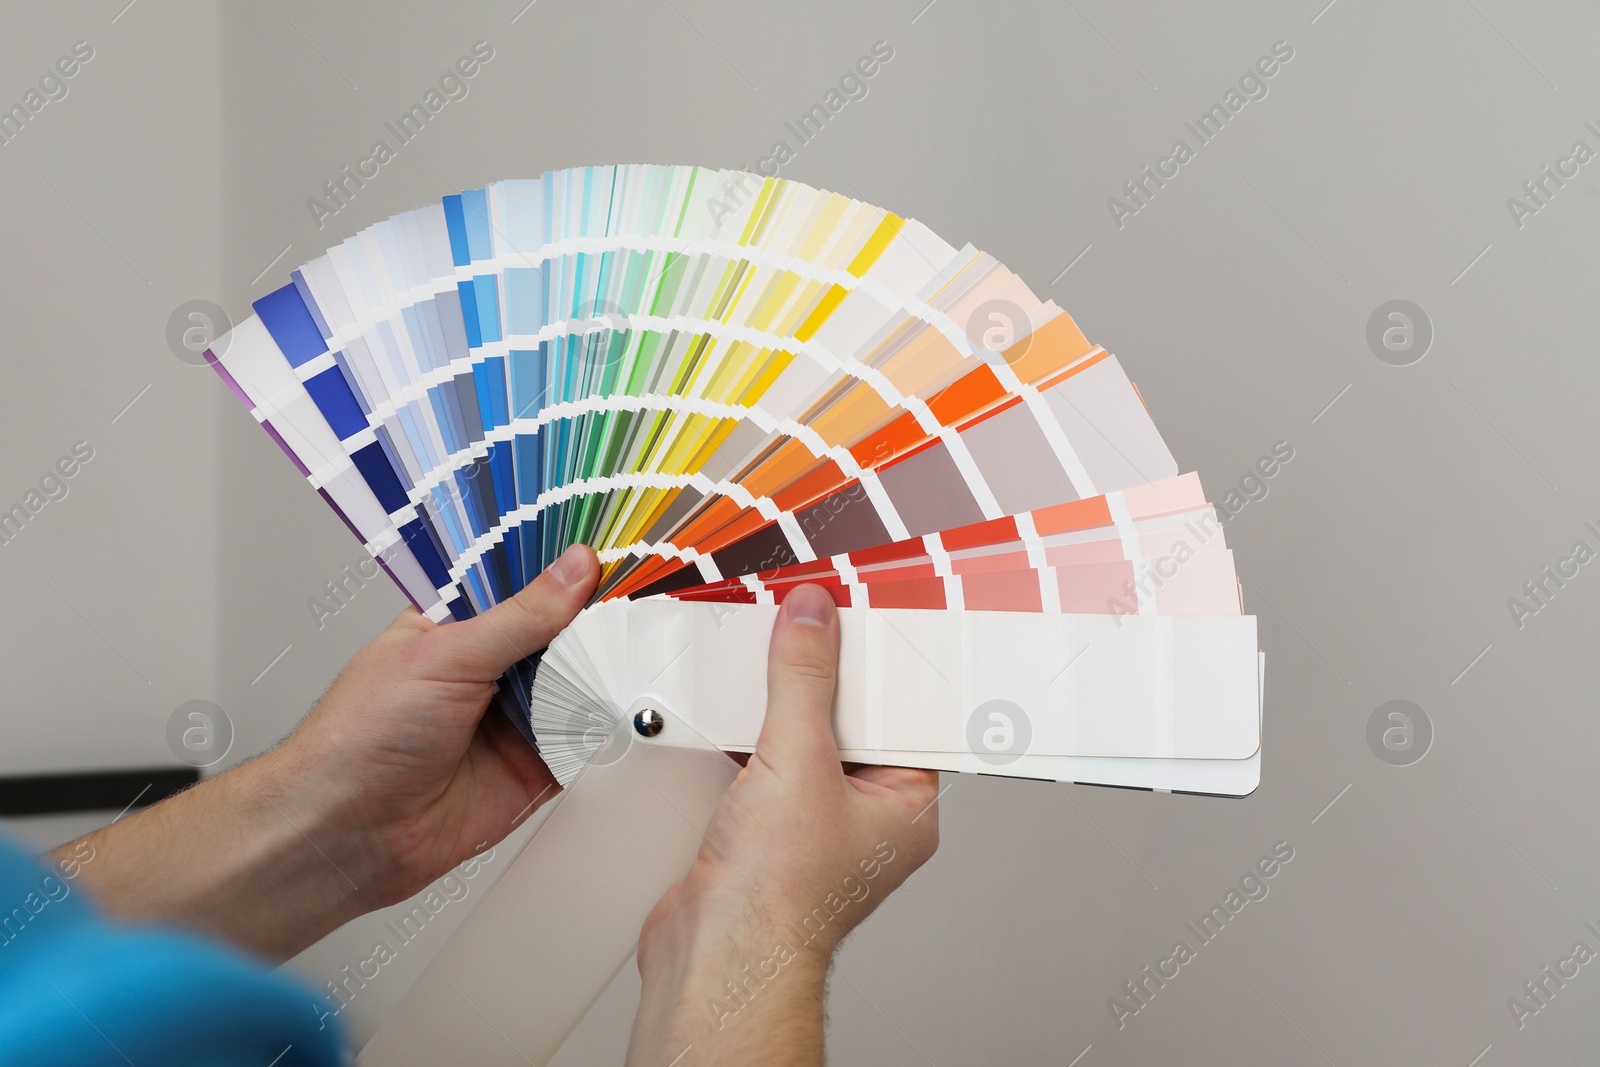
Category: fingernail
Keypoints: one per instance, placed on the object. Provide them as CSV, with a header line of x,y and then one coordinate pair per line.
x,y
809,604
571,567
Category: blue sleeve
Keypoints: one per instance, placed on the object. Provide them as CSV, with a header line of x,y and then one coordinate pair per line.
x,y
76,990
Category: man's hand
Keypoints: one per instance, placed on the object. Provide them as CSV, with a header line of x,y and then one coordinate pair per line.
x,y
735,957
427,779
395,777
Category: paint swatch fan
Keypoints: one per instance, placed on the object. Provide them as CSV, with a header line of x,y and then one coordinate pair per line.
x,y
729,385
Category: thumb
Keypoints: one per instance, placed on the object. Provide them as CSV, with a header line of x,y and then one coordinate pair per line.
x,y
486,645
802,670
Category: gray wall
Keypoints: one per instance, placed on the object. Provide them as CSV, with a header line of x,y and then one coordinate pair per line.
x,y
112,204
1380,562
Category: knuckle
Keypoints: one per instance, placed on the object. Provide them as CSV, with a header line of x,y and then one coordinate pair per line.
x,y
532,614
811,668
524,612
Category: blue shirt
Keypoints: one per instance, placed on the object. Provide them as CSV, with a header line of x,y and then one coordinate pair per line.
x,y
76,990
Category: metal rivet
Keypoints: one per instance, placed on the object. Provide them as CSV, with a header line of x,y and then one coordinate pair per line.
x,y
648,722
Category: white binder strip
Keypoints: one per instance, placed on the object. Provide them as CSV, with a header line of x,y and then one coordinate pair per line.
x,y
1118,687
1234,778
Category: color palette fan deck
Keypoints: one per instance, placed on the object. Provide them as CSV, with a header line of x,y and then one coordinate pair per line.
x,y
728,404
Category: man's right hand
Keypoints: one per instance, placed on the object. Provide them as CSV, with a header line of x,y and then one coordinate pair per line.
x,y
735,956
